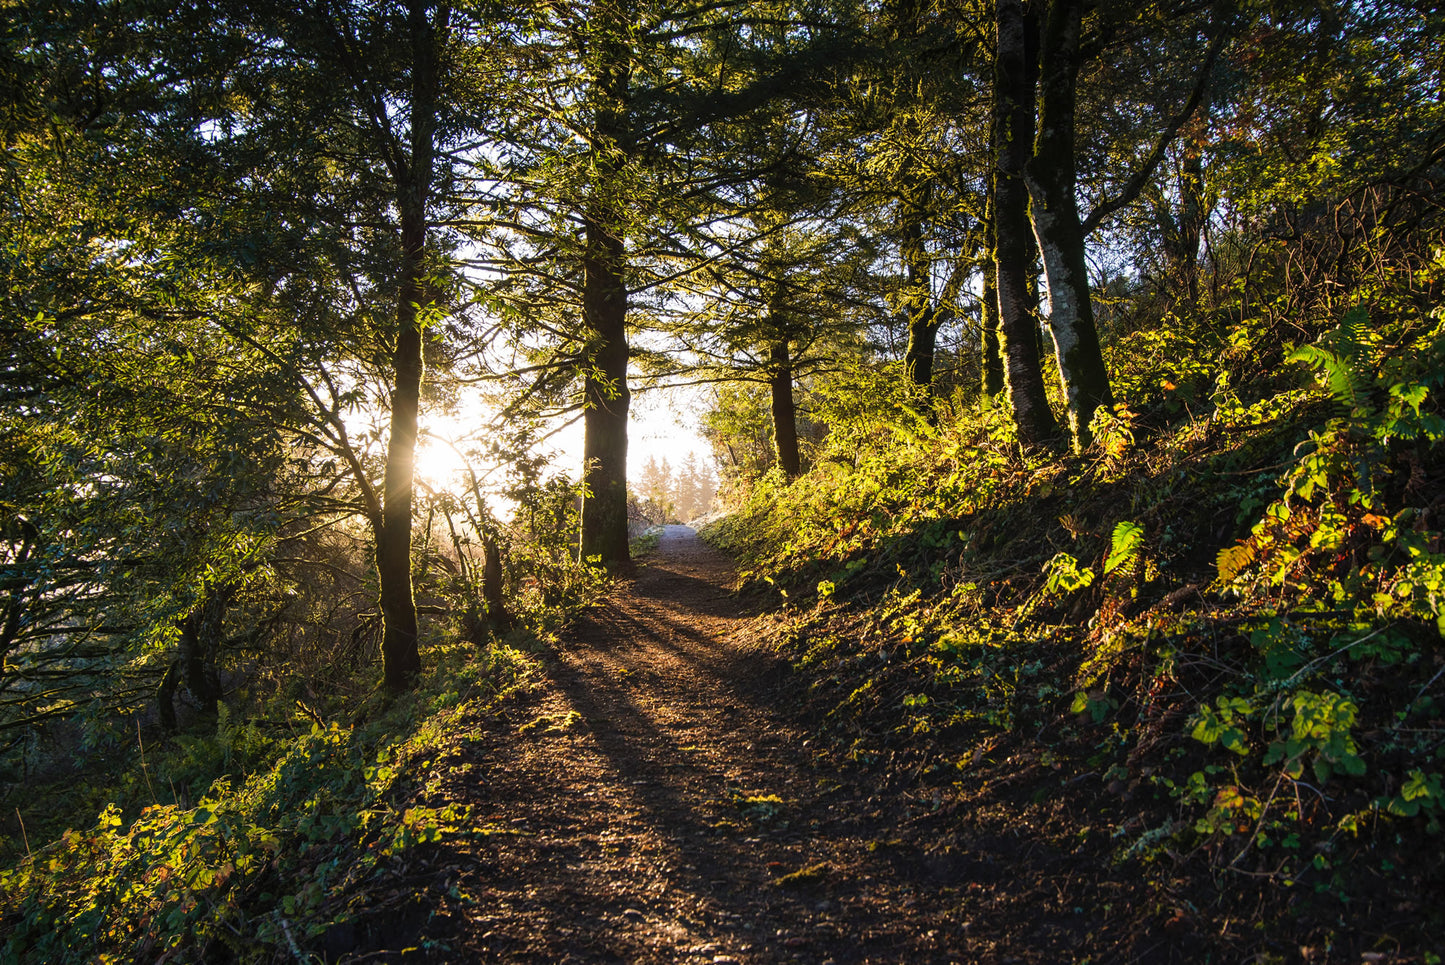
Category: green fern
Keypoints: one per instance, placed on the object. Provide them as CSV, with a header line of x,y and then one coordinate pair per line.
x,y
1344,358
1125,547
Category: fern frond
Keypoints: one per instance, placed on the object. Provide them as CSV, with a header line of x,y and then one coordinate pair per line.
x,y
1344,358
1232,561
1125,546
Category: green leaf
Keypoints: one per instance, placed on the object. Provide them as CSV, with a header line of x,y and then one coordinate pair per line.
x,y
1127,541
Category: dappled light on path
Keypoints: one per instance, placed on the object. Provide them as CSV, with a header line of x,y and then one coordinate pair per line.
x,y
659,807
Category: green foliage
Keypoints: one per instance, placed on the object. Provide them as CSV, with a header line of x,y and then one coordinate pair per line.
x,y
1222,724
1420,793
1113,433
1274,692
262,864
1125,546
1343,358
1321,727
1064,575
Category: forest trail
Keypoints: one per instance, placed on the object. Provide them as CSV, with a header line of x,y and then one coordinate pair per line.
x,y
659,797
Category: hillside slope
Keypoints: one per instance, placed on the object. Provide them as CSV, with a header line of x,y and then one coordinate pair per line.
x,y
1206,651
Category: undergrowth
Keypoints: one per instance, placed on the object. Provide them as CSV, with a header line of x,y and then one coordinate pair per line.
x,y
292,848
1222,621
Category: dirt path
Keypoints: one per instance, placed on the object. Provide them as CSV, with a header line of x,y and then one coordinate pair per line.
x,y
660,799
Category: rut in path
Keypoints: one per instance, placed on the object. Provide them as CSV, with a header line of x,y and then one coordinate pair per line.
x,y
655,805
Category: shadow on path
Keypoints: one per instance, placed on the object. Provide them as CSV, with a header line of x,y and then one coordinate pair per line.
x,y
655,805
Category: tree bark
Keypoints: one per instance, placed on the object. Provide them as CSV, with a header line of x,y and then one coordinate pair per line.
x,y
492,592
605,395
785,413
606,398
166,697
202,632
1182,236
923,316
1014,84
988,320
1050,176
401,662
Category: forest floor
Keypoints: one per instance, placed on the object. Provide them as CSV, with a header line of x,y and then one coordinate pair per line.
x,y
661,797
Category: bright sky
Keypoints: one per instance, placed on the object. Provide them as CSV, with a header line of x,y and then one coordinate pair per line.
x,y
663,425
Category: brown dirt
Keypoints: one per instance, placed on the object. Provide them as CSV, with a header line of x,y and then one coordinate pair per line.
x,y
659,799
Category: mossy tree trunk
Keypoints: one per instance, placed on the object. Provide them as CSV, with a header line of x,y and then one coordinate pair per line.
x,y
992,375
923,315
1050,176
1013,254
1182,235
493,593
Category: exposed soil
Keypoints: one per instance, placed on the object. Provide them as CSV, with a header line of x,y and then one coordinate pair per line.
x,y
661,802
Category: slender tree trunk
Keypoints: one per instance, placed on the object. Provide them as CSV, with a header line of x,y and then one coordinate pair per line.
x,y
401,662
988,312
1182,240
492,592
1032,303
785,413
1050,176
923,316
1012,251
16,582
166,697
988,319
1191,224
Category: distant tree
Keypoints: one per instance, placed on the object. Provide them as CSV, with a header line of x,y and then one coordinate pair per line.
x,y
695,488
656,489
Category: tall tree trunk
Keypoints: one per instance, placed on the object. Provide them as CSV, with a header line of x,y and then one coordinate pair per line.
x,y
988,312
401,662
923,316
1050,176
785,413
606,397
1191,224
166,697
992,380
1012,250
1183,236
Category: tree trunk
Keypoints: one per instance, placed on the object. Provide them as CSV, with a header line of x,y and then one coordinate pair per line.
x,y
1191,224
492,590
785,414
1182,238
1050,176
1012,251
202,632
992,379
166,697
606,398
401,662
923,316
605,395
988,311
